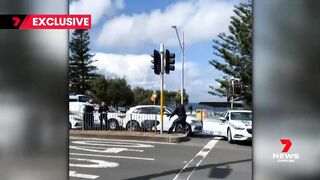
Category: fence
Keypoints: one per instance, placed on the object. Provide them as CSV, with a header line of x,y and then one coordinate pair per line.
x,y
114,122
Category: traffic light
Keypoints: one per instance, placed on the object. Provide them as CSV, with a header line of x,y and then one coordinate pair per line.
x,y
156,61
237,88
169,61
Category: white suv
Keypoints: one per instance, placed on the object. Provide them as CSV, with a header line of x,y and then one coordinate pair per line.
x,y
76,110
147,116
236,125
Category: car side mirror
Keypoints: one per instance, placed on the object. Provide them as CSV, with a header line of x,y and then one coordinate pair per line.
x,y
222,119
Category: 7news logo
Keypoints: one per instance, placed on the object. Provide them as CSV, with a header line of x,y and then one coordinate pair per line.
x,y
285,156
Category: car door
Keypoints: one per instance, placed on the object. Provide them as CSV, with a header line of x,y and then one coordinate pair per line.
x,y
166,122
140,114
219,125
223,124
147,117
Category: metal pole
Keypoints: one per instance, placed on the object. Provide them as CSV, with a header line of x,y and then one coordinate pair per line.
x,y
182,71
162,82
182,64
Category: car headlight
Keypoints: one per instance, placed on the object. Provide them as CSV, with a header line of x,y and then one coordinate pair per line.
x,y
236,127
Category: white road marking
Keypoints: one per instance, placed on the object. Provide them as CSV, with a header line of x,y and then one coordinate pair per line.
x,y
113,144
119,157
202,154
84,176
103,150
122,140
96,163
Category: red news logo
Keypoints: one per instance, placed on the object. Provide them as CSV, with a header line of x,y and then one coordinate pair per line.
x,y
287,143
45,21
285,156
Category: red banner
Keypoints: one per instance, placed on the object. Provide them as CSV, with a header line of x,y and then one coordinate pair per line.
x,y
46,21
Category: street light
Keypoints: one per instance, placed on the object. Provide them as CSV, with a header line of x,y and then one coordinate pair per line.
x,y
182,64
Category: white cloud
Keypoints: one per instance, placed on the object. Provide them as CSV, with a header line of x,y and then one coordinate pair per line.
x,y
136,69
97,8
200,19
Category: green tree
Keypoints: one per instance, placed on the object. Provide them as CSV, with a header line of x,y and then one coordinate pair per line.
x,y
185,96
171,97
81,70
142,96
115,92
233,54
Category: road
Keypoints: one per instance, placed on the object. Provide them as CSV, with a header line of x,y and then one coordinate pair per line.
x,y
200,158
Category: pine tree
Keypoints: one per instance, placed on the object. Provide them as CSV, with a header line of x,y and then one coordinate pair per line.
x,y
233,54
81,70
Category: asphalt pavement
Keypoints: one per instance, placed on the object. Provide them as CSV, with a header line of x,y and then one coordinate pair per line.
x,y
200,158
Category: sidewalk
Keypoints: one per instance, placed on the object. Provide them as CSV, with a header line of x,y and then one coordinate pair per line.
x,y
144,136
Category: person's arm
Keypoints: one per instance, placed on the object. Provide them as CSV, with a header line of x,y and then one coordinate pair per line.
x,y
173,113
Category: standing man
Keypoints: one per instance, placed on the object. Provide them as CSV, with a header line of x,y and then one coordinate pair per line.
x,y
88,115
103,110
181,113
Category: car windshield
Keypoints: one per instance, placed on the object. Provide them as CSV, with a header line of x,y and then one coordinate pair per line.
x,y
246,116
169,110
112,109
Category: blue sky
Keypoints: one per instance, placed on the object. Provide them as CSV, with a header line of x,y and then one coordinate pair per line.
x,y
125,32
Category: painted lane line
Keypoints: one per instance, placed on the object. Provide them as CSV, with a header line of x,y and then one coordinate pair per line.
x,y
118,157
201,156
122,140
113,144
84,176
102,149
96,163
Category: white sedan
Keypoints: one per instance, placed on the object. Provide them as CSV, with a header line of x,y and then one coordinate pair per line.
x,y
235,125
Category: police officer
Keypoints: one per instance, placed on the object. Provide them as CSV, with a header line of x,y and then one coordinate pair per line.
x,y
88,115
181,113
103,110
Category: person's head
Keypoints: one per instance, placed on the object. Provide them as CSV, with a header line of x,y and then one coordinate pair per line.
x,y
91,101
103,103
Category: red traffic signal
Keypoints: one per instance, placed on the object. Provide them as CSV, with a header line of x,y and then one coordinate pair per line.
x,y
237,88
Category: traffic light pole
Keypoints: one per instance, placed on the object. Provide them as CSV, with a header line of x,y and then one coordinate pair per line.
x,y
162,82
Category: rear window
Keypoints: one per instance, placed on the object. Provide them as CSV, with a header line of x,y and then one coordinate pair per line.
x,y
84,98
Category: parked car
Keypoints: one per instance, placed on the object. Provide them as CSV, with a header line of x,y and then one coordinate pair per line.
x,y
114,117
78,98
235,125
75,122
147,117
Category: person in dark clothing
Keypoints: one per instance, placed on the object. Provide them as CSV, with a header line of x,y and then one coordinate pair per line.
x,y
190,108
103,110
88,115
181,113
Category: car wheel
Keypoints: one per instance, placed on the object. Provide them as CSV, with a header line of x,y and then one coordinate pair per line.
x,y
188,130
113,125
230,140
133,126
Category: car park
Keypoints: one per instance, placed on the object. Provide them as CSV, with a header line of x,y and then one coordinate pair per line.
x,y
147,117
235,125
